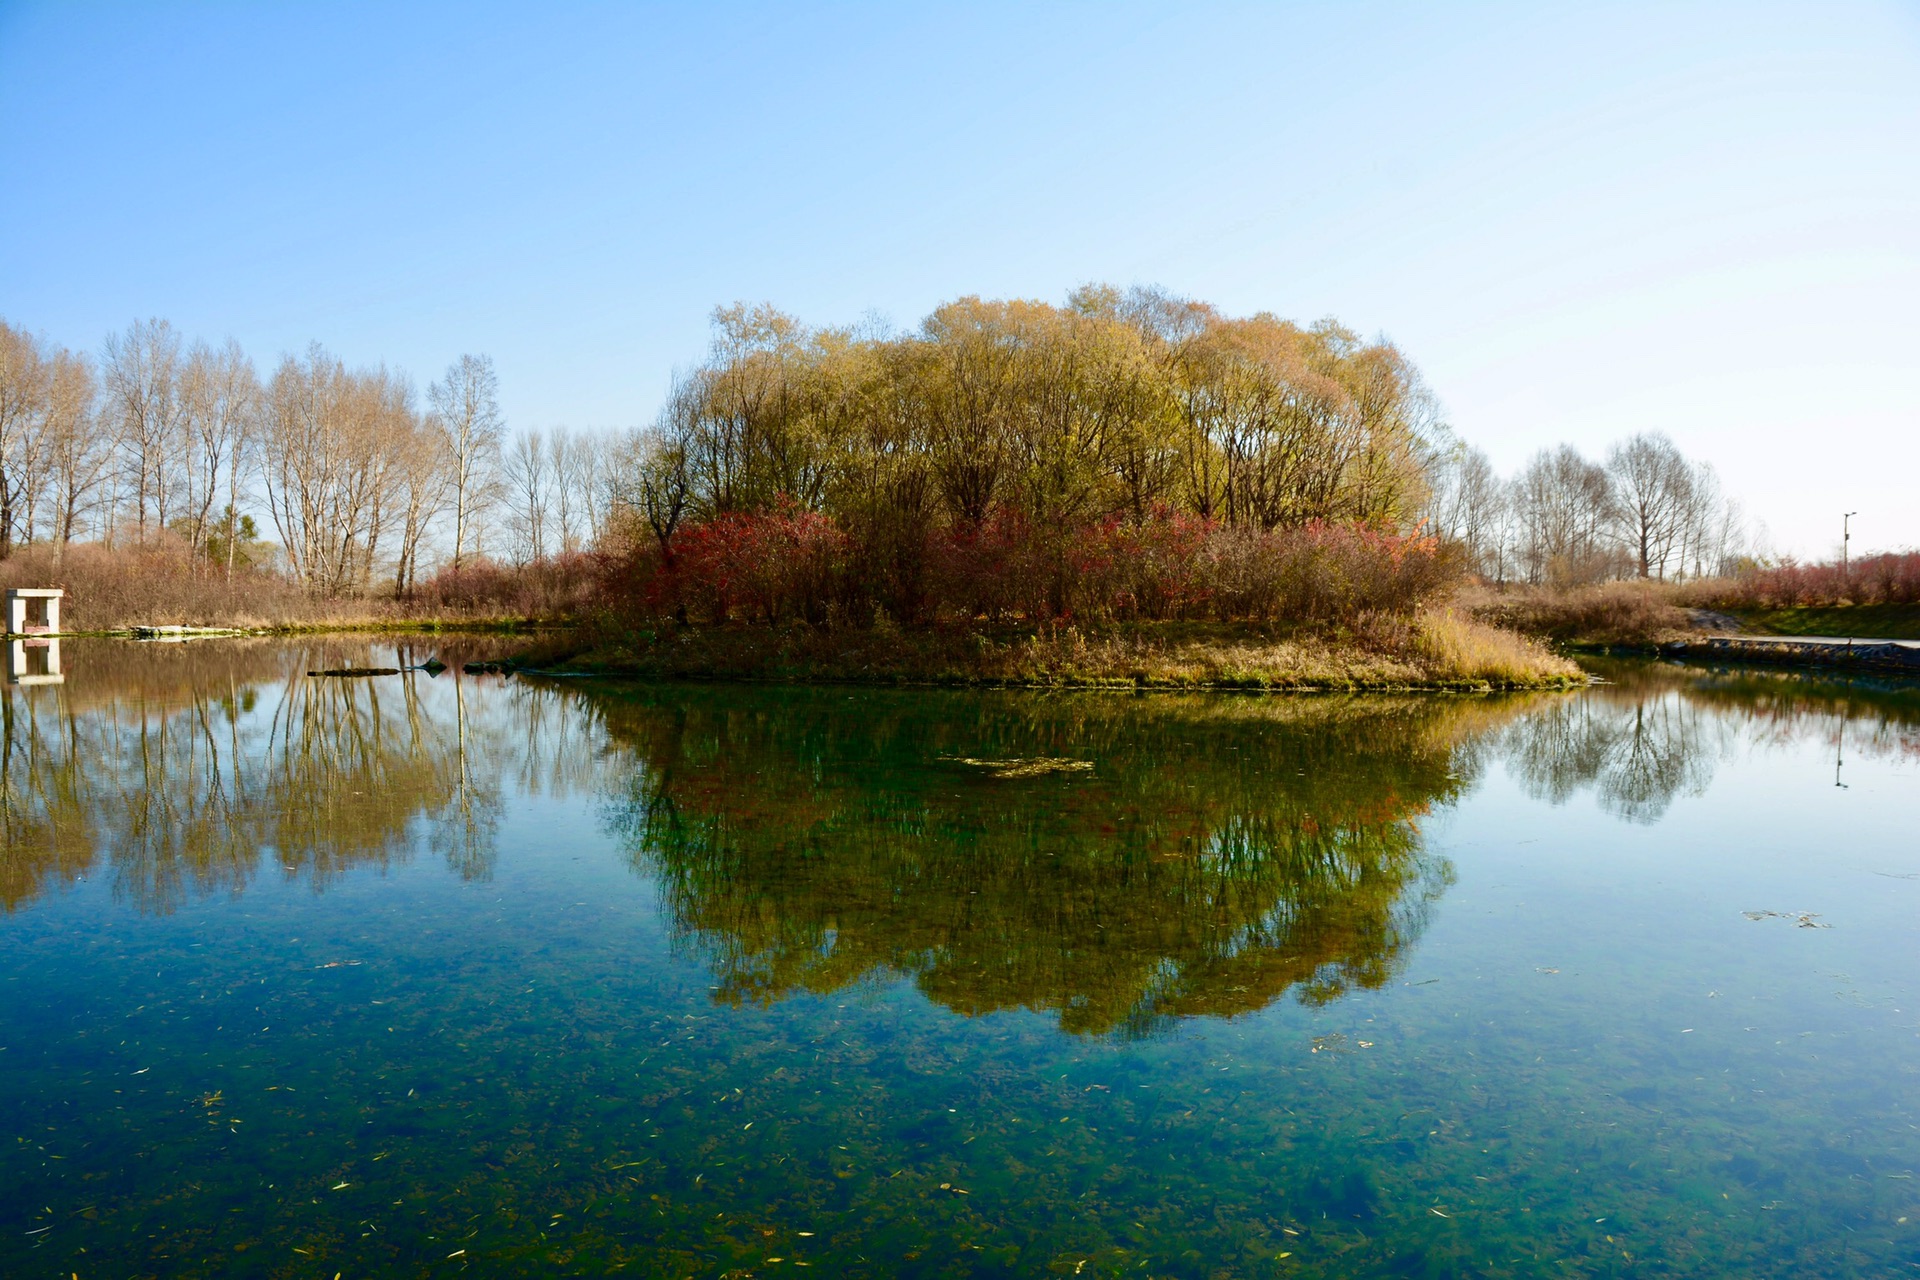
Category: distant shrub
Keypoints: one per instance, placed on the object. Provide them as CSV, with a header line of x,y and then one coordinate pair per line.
x,y
552,587
758,568
1886,578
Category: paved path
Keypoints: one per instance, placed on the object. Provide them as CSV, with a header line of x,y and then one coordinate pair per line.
x,y
1855,641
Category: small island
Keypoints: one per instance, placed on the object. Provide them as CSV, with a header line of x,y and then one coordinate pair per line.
x,y
1128,489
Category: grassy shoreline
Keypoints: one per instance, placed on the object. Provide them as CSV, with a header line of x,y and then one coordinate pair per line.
x,y
1440,653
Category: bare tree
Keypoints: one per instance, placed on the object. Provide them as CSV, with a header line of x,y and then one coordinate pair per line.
x,y
466,409
574,460
140,370
1467,505
24,387
1712,531
424,478
79,451
1652,499
1563,505
527,473
656,482
220,399
331,462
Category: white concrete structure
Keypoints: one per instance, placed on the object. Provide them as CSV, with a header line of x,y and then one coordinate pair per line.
x,y
19,600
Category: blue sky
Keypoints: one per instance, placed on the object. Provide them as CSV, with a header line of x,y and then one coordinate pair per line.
x,y
1580,220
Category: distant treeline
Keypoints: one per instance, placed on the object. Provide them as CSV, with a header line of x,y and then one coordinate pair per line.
x,y
357,486
1647,511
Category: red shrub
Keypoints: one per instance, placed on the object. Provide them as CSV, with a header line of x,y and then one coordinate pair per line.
x,y
1155,567
1323,571
754,568
999,568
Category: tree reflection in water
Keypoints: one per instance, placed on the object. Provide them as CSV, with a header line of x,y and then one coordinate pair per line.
x,y
1654,733
182,768
1220,851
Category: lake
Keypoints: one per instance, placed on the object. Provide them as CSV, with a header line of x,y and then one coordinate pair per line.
x,y
417,974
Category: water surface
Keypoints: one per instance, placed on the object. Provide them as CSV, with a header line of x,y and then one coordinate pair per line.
x,y
401,975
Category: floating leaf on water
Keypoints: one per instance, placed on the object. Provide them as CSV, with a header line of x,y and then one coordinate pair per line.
x,y
1023,767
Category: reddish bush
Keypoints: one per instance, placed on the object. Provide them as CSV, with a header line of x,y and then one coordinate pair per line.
x,y
1167,565
1324,571
754,568
1157,567
999,568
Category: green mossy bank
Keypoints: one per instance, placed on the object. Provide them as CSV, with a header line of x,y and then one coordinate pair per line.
x,y
1865,621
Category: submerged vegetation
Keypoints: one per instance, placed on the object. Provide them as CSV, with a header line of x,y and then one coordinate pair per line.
x,y
1101,984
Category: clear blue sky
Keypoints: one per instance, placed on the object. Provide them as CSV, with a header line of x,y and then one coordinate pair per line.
x,y
1580,220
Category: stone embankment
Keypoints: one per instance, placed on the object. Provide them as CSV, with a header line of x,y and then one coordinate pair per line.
x,y
1803,651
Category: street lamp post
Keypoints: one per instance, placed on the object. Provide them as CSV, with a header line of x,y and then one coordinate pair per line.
x,y
1846,536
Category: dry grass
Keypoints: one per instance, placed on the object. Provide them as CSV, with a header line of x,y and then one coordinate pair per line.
x,y
1634,614
1457,642
1421,654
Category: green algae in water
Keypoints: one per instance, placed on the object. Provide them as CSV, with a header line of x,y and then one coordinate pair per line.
x,y
307,977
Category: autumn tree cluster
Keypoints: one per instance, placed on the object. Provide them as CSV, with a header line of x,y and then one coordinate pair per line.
x,y
1125,453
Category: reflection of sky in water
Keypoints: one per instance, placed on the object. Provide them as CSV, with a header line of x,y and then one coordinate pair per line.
x,y
1570,1052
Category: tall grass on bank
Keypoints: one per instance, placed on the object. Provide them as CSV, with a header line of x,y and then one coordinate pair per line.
x,y
1455,642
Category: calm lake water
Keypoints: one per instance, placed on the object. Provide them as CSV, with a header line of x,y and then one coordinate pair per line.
x,y
410,975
